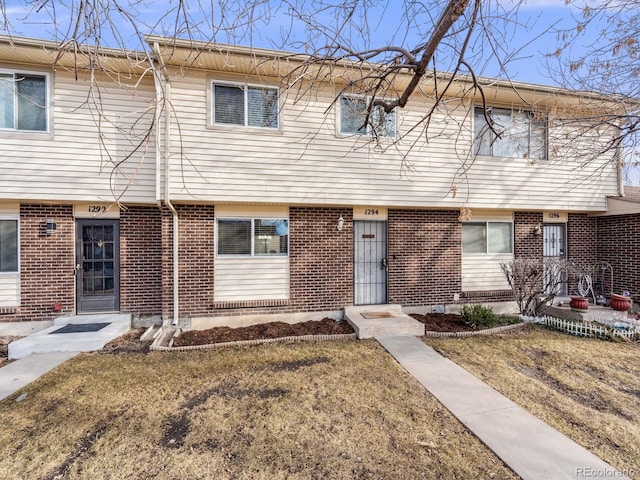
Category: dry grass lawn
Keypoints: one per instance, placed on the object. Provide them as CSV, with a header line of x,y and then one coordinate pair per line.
x,y
588,389
318,410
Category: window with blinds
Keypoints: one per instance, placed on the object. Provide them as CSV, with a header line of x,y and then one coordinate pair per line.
x,y
253,237
8,246
487,237
245,106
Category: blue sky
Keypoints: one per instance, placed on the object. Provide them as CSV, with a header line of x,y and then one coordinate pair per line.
x,y
535,18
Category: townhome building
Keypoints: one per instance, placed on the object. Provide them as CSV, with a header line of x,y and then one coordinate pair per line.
x,y
215,184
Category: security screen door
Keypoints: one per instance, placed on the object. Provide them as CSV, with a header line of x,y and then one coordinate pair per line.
x,y
97,266
370,262
554,249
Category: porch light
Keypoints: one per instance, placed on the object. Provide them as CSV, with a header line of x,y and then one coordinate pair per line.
x,y
50,226
340,223
537,230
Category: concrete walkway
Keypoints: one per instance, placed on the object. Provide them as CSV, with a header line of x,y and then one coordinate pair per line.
x,y
530,447
20,373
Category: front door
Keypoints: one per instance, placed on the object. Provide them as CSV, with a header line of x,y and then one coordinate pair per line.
x,y
370,262
97,266
554,249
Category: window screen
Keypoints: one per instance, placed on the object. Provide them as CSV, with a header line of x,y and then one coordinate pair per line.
x,y
8,246
234,237
245,106
487,237
23,102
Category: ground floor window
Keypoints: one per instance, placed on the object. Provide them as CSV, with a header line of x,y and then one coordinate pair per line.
x,y
8,245
487,237
252,237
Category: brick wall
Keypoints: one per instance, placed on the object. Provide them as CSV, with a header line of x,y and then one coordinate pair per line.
x,y
526,243
581,245
425,257
46,263
618,243
321,258
196,259
141,261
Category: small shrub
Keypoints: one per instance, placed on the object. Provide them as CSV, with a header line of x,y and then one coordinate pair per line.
x,y
478,316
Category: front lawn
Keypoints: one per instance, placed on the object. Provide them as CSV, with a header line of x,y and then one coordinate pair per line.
x,y
588,389
333,410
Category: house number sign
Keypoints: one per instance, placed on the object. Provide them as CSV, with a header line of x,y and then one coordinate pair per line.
x,y
555,217
97,209
370,213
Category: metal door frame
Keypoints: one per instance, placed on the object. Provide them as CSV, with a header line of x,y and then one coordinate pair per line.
x,y
103,303
382,263
546,228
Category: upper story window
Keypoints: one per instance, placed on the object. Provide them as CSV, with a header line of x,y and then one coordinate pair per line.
x,y
353,112
8,245
253,237
522,134
487,237
245,105
23,101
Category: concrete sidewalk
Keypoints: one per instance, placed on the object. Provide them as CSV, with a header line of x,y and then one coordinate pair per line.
x,y
530,447
20,373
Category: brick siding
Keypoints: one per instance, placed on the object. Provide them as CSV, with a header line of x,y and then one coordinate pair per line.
x,y
425,257
618,244
141,261
46,264
526,244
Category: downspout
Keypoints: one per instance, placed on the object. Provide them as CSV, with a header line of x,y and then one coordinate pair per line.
x,y
619,171
165,101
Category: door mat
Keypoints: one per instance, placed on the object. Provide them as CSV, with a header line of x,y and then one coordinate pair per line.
x,y
372,315
81,327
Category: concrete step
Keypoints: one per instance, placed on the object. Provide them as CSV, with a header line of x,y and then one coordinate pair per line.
x,y
381,320
79,333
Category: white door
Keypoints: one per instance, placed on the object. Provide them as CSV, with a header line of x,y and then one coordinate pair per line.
x,y
370,262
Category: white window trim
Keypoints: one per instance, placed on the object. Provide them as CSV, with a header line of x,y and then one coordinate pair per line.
x,y
489,107
252,255
368,133
211,98
487,253
16,218
48,106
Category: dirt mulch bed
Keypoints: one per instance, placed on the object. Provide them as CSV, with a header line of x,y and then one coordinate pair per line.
x,y
443,322
326,326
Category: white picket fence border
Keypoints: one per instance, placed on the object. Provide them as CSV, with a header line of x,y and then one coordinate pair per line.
x,y
585,329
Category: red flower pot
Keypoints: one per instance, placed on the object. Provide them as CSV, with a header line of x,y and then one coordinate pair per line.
x,y
620,303
579,304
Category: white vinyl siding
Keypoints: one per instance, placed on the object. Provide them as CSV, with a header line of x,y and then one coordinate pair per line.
x,y
24,101
245,105
306,163
82,159
251,278
482,273
522,135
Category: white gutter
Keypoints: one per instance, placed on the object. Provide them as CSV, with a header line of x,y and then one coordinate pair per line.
x,y
165,101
